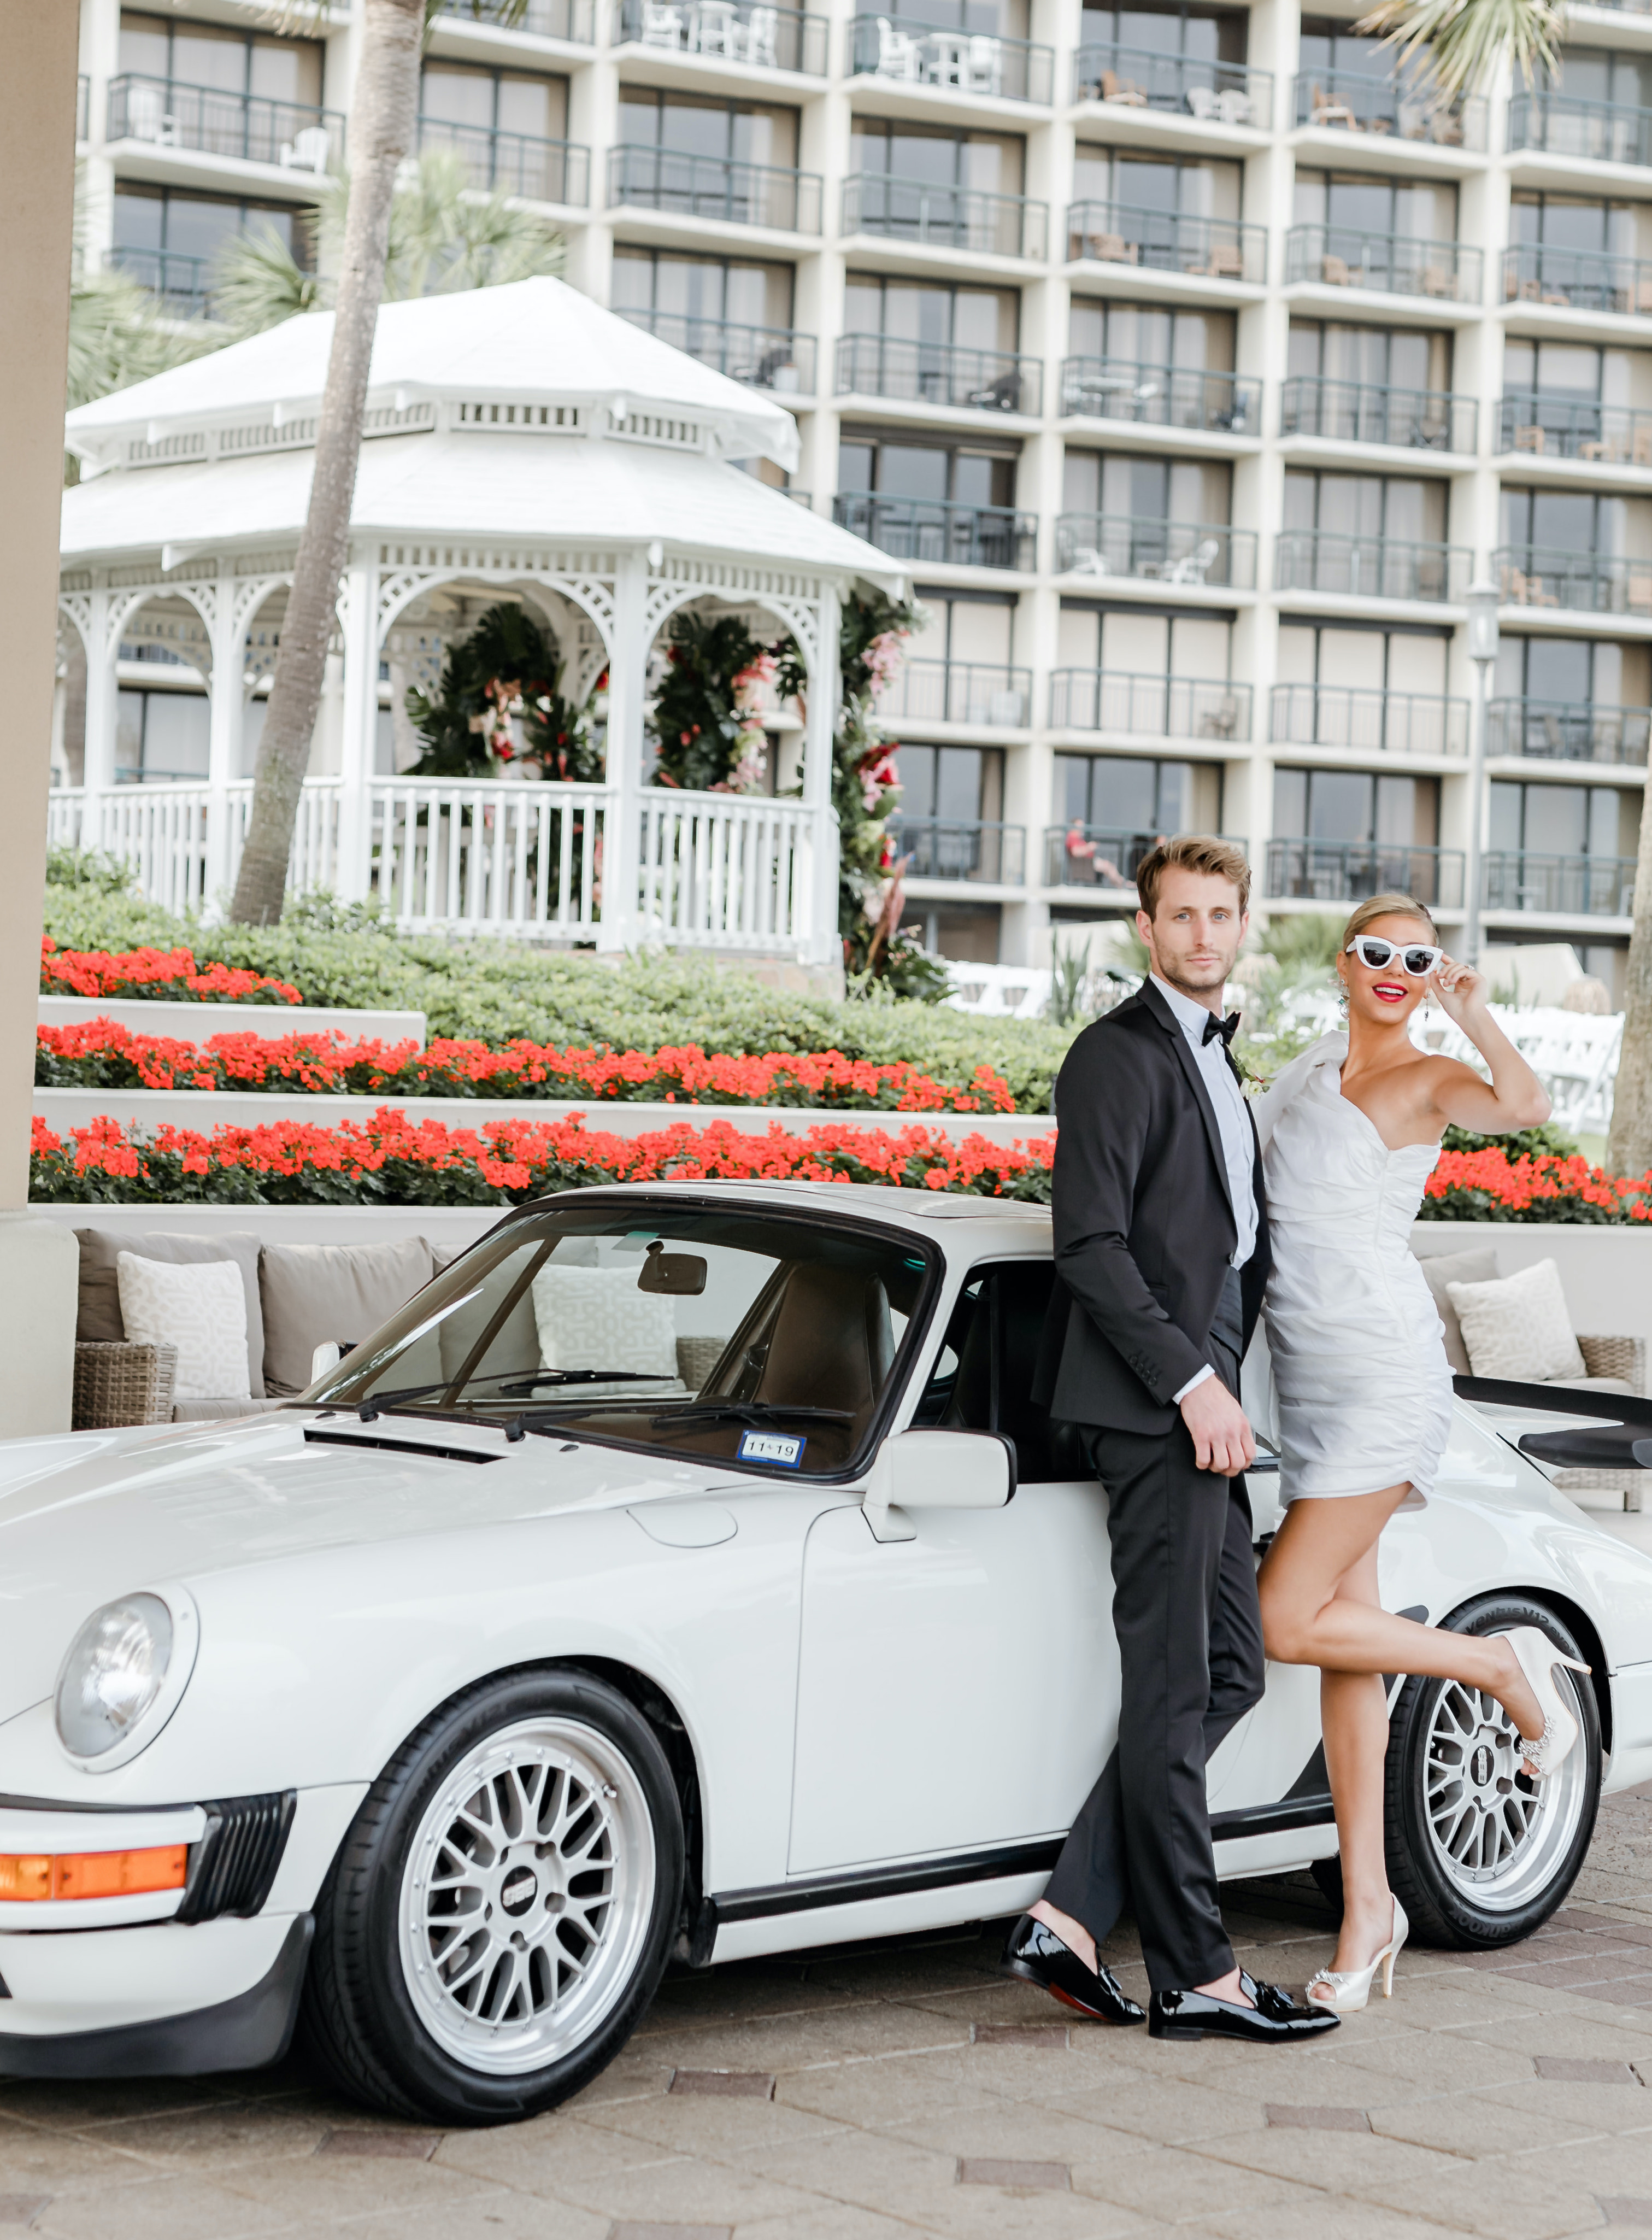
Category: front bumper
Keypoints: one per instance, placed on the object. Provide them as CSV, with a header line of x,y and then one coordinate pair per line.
x,y
47,1975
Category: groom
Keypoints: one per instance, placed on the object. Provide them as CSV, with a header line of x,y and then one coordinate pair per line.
x,y
1161,1253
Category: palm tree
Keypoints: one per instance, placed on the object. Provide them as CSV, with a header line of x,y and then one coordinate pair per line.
x,y
1462,43
383,115
443,237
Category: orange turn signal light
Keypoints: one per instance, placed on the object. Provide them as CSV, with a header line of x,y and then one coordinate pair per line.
x,y
29,1877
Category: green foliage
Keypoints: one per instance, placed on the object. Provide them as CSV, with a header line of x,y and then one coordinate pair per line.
x,y
77,867
1547,1141
343,954
1461,44
708,739
258,283
1304,943
509,666
1069,981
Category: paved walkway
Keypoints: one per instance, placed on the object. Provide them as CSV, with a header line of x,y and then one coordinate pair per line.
x,y
878,2095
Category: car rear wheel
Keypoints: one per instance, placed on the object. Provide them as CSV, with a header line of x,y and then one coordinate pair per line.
x,y
1479,1855
500,1914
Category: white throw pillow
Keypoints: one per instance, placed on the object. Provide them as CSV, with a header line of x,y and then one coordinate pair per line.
x,y
1518,1328
200,1306
597,1318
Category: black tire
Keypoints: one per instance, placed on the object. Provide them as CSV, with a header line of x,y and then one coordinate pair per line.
x,y
573,1973
1471,1876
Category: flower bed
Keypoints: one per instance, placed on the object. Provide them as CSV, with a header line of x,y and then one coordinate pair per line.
x,y
389,1160
101,1054
171,973
1490,1186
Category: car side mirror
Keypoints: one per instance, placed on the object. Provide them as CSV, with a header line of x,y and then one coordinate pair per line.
x,y
936,1470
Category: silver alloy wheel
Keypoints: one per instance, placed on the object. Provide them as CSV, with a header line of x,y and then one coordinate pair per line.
x,y
527,1894
1498,1837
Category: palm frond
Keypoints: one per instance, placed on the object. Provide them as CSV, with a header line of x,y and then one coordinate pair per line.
x,y
1461,45
258,283
118,335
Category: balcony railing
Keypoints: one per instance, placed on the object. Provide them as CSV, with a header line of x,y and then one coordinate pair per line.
x,y
1384,106
1559,428
754,32
933,373
988,855
1159,395
1569,886
958,692
1164,240
1576,279
915,53
183,284
1591,583
573,20
1369,567
1559,124
83,107
714,187
1193,552
1371,722
1569,731
763,358
1079,855
1367,412
1136,77
288,134
1388,263
1149,707
940,530
1349,870
945,217
514,162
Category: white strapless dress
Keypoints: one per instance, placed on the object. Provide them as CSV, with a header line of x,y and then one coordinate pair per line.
x,y
1362,1388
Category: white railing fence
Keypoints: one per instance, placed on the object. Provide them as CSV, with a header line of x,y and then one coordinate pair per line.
x,y
725,870
1574,1054
487,854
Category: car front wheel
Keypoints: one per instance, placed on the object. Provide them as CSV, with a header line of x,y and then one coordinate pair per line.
x,y
500,1914
1478,1853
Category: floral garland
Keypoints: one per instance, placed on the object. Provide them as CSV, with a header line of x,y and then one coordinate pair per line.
x,y
103,1054
154,972
389,1160
707,719
500,705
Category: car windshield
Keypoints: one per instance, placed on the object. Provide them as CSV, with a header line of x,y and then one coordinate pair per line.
x,y
721,1333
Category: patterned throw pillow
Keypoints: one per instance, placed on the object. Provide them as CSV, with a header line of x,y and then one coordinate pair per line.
x,y
1519,1328
597,1318
200,1306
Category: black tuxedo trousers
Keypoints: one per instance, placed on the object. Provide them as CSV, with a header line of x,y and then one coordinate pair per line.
x,y
1189,1635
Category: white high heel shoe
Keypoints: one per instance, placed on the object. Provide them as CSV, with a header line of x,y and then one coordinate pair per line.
x,y
1345,1994
1538,1657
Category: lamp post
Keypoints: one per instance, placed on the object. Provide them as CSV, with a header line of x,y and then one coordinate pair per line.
x,y
1482,651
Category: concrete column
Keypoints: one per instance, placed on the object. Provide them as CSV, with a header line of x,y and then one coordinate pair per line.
x,y
101,702
39,1262
623,818
226,701
818,738
360,729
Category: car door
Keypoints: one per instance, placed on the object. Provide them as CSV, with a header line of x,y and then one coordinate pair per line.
x,y
959,1689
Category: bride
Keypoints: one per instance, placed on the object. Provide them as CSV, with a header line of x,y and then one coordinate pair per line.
x,y
1350,1132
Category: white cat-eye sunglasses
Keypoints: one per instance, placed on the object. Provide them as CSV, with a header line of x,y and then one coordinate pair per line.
x,y
1415,958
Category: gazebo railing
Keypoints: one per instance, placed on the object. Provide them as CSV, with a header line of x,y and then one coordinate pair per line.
x,y
488,853
724,871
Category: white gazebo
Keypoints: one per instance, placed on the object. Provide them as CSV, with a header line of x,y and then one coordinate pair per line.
x,y
520,440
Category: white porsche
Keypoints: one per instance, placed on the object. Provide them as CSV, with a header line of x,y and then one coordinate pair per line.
x,y
686,1572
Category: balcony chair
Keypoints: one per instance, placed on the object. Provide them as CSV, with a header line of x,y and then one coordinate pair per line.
x,y
1325,111
1001,395
716,28
1088,561
1109,248
1219,724
147,117
760,42
1530,439
1224,263
308,150
1194,566
1439,282
1333,272
1201,103
663,25
983,67
899,55
1235,106
1122,92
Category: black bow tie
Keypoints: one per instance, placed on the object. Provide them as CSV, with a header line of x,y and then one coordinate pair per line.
x,y
1227,1028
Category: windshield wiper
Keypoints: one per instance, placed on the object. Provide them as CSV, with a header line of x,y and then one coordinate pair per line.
x,y
377,1403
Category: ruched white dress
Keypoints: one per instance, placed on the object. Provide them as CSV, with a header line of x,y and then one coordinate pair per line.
x,y
1362,1388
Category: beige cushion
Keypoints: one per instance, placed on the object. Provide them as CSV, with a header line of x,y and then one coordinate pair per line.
x,y
1519,1328
99,1319
198,1307
1479,1266
316,1292
597,1318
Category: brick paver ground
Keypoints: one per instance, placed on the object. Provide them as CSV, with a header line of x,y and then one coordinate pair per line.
x,y
877,2094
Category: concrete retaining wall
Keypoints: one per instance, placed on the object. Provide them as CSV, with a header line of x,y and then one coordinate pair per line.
x,y
198,1023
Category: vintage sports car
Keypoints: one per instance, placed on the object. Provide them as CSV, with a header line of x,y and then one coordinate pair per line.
x,y
686,1572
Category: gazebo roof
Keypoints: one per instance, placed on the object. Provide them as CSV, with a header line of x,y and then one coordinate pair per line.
x,y
519,411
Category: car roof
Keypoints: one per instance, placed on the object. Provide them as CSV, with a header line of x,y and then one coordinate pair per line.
x,y
941,1211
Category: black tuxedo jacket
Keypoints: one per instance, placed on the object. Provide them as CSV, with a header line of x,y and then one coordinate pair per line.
x,y
1144,1232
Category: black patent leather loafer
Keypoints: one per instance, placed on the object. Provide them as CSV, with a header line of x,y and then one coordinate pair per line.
x,y
1036,1955
1275,2019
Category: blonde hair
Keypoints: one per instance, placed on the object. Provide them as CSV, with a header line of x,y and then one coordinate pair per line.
x,y
1387,906
1194,851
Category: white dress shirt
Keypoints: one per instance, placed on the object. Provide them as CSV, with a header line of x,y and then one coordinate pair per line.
x,y
1233,1124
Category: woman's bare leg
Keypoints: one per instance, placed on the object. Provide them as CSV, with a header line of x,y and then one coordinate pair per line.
x,y
1354,1719
1305,1621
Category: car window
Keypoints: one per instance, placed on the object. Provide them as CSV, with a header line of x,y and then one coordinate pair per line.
x,y
723,1333
984,1374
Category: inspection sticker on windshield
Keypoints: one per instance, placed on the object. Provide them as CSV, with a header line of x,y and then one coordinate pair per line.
x,y
771,1447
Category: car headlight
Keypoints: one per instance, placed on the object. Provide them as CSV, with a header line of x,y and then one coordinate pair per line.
x,y
125,1672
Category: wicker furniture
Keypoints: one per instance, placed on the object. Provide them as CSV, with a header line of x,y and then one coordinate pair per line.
x,y
122,1384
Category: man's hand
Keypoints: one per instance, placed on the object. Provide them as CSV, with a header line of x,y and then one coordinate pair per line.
x,y
1222,1440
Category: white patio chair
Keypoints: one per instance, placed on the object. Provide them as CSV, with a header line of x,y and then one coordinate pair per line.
x,y
307,150
146,116
1202,103
984,66
663,25
899,55
762,30
1233,106
1088,561
716,28
1194,567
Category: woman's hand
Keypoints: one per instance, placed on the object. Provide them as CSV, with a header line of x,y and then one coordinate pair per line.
x,y
1458,989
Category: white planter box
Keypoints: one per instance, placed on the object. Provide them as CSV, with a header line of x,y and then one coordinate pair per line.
x,y
198,1023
